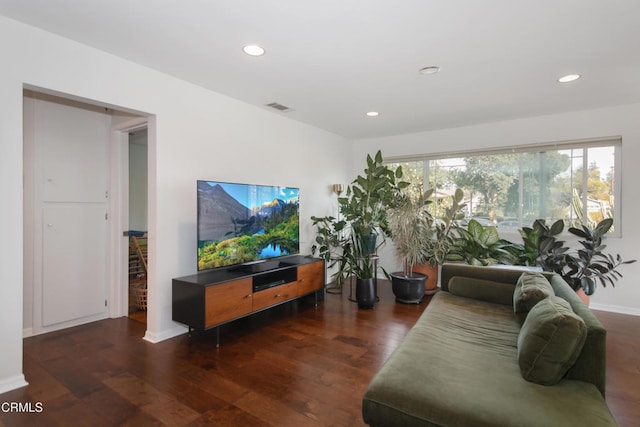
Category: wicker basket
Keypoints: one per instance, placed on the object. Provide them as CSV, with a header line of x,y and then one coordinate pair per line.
x,y
138,296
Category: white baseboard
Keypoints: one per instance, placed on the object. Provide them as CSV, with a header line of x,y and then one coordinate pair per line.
x,y
154,338
615,309
27,332
12,383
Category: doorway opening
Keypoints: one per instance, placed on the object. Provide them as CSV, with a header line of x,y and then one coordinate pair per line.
x,y
138,224
76,208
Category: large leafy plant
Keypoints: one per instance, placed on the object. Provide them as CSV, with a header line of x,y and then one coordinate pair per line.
x,y
343,243
542,246
367,199
591,264
480,245
334,246
584,268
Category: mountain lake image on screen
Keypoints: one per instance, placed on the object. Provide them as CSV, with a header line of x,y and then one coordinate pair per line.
x,y
244,223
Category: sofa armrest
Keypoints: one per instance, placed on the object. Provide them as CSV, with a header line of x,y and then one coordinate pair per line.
x,y
591,365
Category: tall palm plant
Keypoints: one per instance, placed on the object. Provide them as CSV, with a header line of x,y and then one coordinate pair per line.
x,y
410,227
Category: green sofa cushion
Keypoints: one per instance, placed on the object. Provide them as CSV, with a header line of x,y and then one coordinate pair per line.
x,y
550,341
485,290
531,288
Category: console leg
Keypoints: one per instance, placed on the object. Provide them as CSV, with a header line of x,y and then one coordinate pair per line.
x,y
218,337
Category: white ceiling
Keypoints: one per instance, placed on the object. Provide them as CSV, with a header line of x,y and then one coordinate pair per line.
x,y
331,61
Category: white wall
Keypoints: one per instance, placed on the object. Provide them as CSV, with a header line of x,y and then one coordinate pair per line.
x,y
193,133
10,232
623,121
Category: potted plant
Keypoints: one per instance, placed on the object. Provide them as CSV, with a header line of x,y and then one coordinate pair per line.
x,y
365,206
409,226
583,269
349,252
363,267
350,245
591,264
332,246
441,239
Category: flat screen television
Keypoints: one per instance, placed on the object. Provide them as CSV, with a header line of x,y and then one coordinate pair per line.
x,y
242,224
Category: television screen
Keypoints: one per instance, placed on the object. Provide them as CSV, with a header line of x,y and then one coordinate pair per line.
x,y
243,223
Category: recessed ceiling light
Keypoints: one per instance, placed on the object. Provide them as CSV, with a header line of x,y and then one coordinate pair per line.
x,y
373,114
569,78
430,70
253,50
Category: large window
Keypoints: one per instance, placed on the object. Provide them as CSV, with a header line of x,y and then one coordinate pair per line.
x,y
574,182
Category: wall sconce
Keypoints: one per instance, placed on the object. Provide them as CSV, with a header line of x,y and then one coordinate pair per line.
x,y
337,188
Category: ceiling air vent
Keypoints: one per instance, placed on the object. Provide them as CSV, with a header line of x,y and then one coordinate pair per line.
x,y
279,107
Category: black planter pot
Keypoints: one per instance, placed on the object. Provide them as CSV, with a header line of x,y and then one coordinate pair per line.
x,y
408,289
365,293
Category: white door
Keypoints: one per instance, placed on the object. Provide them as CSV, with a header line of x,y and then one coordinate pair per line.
x,y
73,265
71,215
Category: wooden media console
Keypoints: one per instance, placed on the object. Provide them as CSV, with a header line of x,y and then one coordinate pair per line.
x,y
211,298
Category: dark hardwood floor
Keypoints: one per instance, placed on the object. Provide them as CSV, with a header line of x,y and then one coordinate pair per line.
x,y
296,365
623,366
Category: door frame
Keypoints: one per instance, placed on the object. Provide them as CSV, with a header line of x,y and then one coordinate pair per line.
x,y
119,257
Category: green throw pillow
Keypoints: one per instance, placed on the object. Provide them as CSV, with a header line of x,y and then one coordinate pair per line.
x,y
531,288
550,341
485,290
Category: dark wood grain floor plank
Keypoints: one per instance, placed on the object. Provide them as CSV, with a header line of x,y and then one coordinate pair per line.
x,y
297,365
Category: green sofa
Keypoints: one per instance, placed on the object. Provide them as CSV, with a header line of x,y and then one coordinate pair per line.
x,y
458,366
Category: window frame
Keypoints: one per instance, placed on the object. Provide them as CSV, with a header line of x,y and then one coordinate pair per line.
x,y
611,141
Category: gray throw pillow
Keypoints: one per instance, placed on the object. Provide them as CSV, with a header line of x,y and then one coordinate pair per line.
x,y
531,288
550,341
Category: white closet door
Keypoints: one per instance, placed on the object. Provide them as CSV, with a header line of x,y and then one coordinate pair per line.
x,y
74,265
72,175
